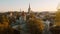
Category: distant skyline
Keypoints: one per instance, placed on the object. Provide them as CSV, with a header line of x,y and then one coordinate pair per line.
x,y
36,5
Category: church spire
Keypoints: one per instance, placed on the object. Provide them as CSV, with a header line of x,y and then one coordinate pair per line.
x,y
29,5
29,9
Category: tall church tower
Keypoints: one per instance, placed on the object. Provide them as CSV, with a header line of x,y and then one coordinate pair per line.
x,y
29,9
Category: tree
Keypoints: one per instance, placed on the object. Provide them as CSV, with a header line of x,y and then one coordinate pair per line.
x,y
57,18
35,25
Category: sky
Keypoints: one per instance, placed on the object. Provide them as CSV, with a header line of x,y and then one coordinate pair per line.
x,y
36,5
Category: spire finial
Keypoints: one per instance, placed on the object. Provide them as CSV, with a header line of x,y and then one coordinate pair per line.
x,y
29,5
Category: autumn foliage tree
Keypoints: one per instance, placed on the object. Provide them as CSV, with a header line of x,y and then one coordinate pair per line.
x,y
57,18
35,25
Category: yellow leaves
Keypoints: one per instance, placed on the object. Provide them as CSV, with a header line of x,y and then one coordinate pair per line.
x,y
57,18
4,25
37,22
5,22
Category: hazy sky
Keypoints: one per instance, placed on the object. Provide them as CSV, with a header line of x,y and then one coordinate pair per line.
x,y
36,5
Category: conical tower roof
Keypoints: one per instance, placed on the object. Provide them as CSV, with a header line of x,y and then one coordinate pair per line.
x,y
29,9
